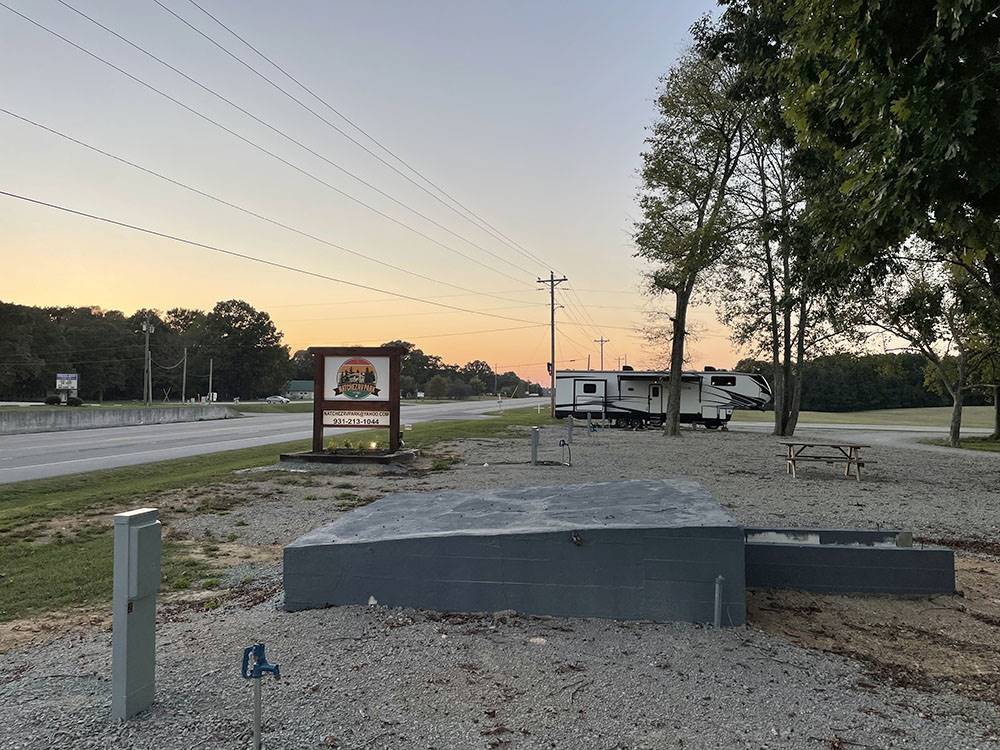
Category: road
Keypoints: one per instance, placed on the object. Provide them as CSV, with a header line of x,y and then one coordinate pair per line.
x,y
50,454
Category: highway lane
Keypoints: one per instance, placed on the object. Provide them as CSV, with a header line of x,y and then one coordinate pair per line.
x,y
49,454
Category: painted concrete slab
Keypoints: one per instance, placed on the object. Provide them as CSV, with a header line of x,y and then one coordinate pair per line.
x,y
639,549
843,569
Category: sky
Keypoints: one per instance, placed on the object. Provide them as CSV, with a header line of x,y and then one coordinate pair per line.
x,y
530,114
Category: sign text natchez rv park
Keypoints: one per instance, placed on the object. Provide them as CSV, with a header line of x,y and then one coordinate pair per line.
x,y
356,387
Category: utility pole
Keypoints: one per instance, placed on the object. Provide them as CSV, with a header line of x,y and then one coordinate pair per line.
x,y
602,341
147,365
184,377
553,282
210,398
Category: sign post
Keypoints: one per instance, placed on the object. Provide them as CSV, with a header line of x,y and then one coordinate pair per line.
x,y
356,387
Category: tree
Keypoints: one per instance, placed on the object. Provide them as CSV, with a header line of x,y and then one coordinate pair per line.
x,y
687,218
302,365
248,357
417,365
928,307
900,95
478,370
458,389
437,387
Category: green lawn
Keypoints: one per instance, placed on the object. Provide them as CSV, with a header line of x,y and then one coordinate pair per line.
x,y
932,416
975,444
75,569
295,407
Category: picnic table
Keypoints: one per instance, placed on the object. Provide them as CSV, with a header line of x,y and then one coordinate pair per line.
x,y
847,453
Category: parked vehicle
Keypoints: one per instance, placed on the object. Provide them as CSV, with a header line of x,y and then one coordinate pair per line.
x,y
637,398
277,400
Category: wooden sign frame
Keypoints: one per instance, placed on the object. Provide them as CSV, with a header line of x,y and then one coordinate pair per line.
x,y
321,404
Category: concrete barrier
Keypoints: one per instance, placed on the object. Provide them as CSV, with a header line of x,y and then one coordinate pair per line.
x,y
15,422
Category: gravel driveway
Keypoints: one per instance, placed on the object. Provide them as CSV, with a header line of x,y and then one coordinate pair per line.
x,y
359,677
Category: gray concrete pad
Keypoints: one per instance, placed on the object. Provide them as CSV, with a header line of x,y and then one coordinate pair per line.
x,y
639,549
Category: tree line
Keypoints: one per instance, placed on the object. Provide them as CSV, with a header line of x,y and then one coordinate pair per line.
x,y
850,382
829,178
241,346
237,344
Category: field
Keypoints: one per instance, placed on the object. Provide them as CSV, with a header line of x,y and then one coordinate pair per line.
x,y
935,416
55,534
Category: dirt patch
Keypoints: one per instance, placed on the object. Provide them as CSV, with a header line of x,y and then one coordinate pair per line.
x,y
950,642
228,554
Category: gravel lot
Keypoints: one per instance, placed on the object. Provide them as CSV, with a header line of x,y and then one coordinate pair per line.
x,y
357,677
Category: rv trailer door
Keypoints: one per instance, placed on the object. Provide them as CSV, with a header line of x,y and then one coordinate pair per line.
x,y
589,396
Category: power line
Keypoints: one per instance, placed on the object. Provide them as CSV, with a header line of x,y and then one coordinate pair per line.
x,y
583,307
255,259
471,333
274,129
483,224
398,314
242,209
246,140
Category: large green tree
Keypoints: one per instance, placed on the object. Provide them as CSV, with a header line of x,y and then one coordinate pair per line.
x,y
248,357
687,219
900,97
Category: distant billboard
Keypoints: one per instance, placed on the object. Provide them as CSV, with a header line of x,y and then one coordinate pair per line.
x,y
67,381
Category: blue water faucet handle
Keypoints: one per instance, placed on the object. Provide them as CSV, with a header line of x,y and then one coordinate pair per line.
x,y
260,665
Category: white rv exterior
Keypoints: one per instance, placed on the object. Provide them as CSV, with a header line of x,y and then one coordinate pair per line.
x,y
637,397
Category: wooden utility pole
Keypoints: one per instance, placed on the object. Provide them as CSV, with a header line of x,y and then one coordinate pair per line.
x,y
602,341
553,282
147,364
211,399
184,377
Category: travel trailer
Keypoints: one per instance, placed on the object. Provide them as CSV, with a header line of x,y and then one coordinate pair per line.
x,y
637,398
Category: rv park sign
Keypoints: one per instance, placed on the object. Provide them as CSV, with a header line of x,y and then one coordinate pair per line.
x,y
356,387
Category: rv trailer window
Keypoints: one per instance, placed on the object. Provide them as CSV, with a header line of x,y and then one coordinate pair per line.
x,y
723,380
655,391
590,387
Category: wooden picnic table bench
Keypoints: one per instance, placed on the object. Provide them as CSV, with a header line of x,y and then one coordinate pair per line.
x,y
848,453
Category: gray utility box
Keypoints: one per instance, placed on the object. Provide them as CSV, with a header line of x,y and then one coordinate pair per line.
x,y
136,582
640,549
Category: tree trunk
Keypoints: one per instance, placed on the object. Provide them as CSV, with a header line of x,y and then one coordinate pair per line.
x,y
996,413
672,419
955,429
800,355
778,395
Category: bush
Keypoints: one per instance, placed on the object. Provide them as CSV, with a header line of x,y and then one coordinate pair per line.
x,y
74,401
53,400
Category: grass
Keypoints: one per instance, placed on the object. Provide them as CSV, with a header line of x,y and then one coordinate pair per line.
x,y
426,434
974,443
931,416
44,577
95,405
295,407
43,574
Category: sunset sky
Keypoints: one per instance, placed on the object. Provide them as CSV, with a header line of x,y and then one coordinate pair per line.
x,y
532,114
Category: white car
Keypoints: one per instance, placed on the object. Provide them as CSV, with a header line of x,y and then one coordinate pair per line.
x,y
277,400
